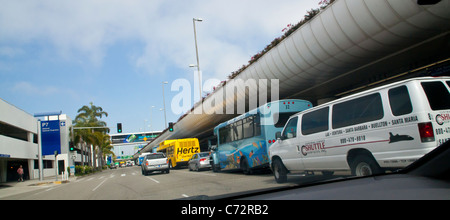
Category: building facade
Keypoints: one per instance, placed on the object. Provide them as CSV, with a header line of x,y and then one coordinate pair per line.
x,y
19,144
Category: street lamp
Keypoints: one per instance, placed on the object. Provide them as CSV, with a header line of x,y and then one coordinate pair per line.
x,y
198,60
164,104
151,119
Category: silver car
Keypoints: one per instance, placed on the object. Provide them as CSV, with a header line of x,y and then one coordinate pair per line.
x,y
199,161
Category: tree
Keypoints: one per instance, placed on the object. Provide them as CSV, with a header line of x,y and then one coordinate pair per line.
x,y
88,116
103,142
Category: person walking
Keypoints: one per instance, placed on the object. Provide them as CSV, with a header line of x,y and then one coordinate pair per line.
x,y
20,172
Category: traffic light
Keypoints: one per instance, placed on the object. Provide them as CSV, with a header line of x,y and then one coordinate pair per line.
x,y
71,146
119,127
171,126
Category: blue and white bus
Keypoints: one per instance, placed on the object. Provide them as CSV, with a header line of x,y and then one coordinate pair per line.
x,y
243,142
141,158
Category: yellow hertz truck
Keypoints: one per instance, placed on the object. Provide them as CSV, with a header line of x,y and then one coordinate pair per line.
x,y
179,151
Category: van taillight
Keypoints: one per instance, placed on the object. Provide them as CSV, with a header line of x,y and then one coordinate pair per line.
x,y
426,132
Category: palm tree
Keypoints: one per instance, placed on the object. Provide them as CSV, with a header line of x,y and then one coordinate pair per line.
x,y
103,142
88,117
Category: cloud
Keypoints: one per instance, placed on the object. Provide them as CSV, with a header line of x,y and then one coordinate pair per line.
x,y
10,52
232,31
30,89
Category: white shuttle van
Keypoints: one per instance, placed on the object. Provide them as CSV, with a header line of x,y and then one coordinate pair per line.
x,y
385,128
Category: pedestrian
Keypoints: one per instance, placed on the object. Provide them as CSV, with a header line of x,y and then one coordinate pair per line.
x,y
20,172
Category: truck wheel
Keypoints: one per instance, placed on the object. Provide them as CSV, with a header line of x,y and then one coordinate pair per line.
x,y
279,171
364,165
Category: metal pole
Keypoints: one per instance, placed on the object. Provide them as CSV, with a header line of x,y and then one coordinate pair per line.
x,y
56,165
41,171
198,62
151,121
164,104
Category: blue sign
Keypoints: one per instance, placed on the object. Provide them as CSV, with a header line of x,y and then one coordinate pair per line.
x,y
50,137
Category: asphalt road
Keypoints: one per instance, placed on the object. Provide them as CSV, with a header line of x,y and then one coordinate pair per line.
x,y
129,184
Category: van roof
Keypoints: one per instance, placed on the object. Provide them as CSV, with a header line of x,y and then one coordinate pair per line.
x,y
373,90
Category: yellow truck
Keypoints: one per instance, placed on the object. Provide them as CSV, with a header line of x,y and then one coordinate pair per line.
x,y
179,151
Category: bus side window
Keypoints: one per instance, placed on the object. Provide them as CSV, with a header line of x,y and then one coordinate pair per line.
x,y
248,127
290,131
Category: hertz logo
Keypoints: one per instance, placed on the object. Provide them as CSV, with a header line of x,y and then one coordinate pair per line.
x,y
187,150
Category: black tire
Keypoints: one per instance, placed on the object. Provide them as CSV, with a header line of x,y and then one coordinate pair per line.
x,y
196,168
215,168
245,167
364,165
279,171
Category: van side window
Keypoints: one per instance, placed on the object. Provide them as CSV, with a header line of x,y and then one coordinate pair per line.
x,y
357,111
438,95
316,121
400,101
290,130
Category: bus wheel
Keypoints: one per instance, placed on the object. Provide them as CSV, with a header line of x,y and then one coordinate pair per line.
x,y
364,165
279,171
215,168
245,167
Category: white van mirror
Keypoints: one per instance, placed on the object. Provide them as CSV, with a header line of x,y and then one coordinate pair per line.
x,y
278,135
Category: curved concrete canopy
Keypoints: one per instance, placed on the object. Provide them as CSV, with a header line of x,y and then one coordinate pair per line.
x,y
342,39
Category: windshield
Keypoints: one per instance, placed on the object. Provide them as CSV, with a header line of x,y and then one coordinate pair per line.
x,y
206,154
268,94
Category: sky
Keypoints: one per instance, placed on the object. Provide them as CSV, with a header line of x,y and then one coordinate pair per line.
x,y
60,55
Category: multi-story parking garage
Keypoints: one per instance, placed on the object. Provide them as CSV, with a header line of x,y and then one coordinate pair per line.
x,y
19,132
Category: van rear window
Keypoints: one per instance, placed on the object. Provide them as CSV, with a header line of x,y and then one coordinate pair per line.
x,y
154,156
437,94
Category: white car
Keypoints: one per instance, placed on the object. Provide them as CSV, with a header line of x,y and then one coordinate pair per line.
x,y
155,162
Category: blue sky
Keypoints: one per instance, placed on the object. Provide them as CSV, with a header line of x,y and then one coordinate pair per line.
x,y
60,55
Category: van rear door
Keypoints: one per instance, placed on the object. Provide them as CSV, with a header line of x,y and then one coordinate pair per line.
x,y
438,96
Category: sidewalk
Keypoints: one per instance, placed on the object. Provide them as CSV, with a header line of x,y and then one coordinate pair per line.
x,y
12,188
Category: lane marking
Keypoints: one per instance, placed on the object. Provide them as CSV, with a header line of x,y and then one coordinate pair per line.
x,y
156,181
184,195
99,185
123,174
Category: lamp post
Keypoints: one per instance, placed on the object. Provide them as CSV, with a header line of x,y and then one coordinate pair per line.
x,y
151,119
198,60
164,104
